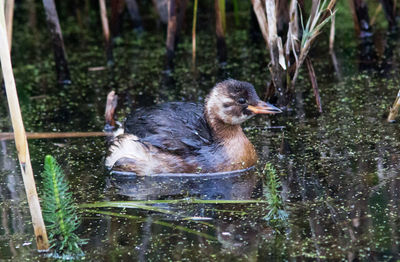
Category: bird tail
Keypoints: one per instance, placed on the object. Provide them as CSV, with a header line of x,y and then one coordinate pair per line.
x,y
128,153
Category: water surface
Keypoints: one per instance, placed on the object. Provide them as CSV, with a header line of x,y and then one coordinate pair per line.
x,y
339,169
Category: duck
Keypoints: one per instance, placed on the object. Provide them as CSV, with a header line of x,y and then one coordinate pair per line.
x,y
186,137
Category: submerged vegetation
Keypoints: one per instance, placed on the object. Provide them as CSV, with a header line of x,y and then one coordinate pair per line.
x,y
60,212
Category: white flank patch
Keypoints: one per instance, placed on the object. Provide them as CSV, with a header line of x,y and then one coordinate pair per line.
x,y
127,146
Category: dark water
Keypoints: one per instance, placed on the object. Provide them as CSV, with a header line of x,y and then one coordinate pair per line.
x,y
339,170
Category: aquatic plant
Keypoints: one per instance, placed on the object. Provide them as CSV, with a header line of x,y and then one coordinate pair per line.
x,y
277,214
288,57
59,211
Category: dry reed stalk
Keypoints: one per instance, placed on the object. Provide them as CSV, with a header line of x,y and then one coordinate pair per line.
x,y
194,31
261,18
357,27
20,138
270,9
9,20
278,61
171,30
104,20
60,56
332,34
106,29
52,135
394,110
314,83
219,29
292,40
336,65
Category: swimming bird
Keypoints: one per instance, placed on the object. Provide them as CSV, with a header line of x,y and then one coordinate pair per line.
x,y
184,137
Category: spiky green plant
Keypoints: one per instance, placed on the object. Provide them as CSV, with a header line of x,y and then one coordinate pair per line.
x,y
59,210
277,213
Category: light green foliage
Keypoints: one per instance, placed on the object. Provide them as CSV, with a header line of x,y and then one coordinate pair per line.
x,y
276,214
313,28
59,210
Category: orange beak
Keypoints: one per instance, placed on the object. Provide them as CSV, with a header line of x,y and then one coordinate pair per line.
x,y
264,108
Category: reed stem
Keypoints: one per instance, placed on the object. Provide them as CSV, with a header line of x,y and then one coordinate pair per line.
x,y
20,138
261,18
104,20
60,56
332,34
52,135
314,83
106,29
194,32
220,29
9,20
171,31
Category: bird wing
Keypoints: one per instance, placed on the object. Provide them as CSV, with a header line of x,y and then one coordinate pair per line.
x,y
176,127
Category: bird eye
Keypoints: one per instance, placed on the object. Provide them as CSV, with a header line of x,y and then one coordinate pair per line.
x,y
242,100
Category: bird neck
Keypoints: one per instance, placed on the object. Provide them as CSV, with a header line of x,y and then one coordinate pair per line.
x,y
224,132
238,149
